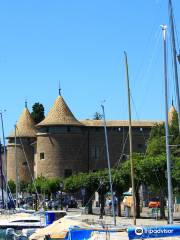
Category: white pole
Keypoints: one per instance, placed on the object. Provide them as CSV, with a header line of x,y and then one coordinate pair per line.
x,y
174,59
109,165
168,159
5,160
16,164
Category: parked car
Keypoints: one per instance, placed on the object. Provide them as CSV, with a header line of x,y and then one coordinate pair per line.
x,y
154,203
71,203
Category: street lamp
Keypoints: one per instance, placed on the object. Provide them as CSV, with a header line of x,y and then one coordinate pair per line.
x,y
61,188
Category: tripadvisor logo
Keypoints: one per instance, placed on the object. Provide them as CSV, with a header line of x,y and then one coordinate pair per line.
x,y
139,231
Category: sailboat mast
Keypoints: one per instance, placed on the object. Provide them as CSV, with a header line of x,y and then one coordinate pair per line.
x,y
174,58
109,165
1,169
5,160
16,162
130,142
170,198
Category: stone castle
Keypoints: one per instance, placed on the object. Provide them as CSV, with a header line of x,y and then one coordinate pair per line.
x,y
61,145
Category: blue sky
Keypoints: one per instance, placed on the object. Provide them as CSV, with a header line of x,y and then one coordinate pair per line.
x,y
81,43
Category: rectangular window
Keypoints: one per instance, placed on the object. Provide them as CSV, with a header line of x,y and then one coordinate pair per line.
x,y
68,128
97,154
92,152
42,156
67,173
140,145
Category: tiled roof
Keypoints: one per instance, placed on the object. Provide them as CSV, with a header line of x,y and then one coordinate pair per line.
x,y
118,123
60,114
171,112
25,126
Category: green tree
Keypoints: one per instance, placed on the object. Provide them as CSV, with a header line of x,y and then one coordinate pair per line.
x,y
37,112
23,186
97,181
156,142
12,186
97,116
54,185
45,185
83,180
154,166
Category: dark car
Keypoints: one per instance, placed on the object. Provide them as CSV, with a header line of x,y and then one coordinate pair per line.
x,y
71,203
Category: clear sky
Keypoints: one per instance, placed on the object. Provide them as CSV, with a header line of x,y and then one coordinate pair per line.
x,y
81,43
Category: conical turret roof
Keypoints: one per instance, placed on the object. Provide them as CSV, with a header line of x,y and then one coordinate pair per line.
x,y
171,112
25,126
60,114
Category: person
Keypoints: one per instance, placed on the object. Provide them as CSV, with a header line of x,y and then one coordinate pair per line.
x,y
66,207
115,204
127,205
102,205
110,204
50,204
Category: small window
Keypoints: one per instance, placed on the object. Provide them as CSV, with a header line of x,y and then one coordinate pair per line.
x,y
140,145
67,173
97,153
42,156
68,128
24,163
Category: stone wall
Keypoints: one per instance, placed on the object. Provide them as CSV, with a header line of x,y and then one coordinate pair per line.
x,y
118,142
62,152
23,171
67,150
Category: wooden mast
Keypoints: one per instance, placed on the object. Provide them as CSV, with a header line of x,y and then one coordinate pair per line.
x,y
130,142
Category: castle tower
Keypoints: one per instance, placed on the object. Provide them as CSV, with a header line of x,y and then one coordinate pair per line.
x,y
171,113
61,143
25,137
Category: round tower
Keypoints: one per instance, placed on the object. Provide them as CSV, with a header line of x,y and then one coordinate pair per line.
x,y
61,143
171,113
20,151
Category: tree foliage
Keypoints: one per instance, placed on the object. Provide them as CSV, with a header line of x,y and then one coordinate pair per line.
x,y
12,186
23,186
45,185
37,112
97,116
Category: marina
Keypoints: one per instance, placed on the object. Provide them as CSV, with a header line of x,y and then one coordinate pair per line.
x,y
64,178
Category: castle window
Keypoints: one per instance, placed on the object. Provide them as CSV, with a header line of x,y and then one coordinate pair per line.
x,y
67,173
42,156
92,152
97,152
68,128
140,145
